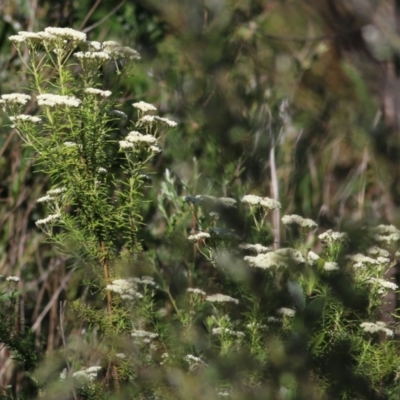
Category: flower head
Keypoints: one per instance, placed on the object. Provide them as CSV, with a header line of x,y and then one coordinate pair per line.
x,y
286,312
144,107
67,33
295,219
15,98
52,100
98,92
221,298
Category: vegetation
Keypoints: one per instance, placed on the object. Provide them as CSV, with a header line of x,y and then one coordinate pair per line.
x,y
149,259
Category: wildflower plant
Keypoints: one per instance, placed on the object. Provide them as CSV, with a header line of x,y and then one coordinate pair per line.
x,y
289,312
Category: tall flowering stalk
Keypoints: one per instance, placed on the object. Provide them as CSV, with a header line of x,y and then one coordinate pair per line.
x,y
95,167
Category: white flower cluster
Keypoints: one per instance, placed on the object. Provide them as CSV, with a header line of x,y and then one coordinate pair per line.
x,y
383,285
286,312
379,326
56,191
220,331
145,336
15,98
45,199
361,261
144,107
257,248
50,35
88,374
221,298
92,55
330,237
191,359
278,258
52,100
126,288
50,195
387,234
145,280
295,219
312,257
12,279
196,291
116,50
199,236
25,118
150,119
136,137
166,121
102,93
266,202
66,33
377,251
50,218
331,266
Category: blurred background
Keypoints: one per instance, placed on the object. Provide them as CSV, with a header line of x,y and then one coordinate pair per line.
x,y
292,99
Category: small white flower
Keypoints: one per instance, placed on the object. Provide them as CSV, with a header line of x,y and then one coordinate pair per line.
x,y
329,237
147,119
331,266
144,334
144,107
102,93
67,33
155,149
383,284
257,248
120,355
251,199
57,191
94,45
221,298
92,55
377,251
190,358
372,327
45,199
12,279
49,218
166,121
16,98
25,118
52,100
270,204
101,170
196,291
127,288
361,261
137,137
199,236
124,144
115,50
298,220
312,257
278,258
220,331
286,312
17,39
